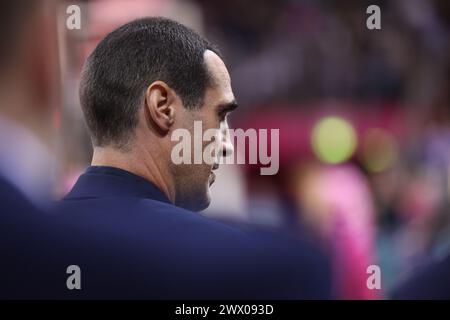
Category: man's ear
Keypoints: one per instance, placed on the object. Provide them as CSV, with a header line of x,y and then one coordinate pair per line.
x,y
159,101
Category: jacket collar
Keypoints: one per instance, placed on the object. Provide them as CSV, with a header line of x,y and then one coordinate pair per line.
x,y
103,181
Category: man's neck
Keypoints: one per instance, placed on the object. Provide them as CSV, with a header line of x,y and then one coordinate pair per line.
x,y
141,163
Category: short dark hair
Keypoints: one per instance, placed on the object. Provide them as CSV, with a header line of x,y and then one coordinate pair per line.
x,y
122,66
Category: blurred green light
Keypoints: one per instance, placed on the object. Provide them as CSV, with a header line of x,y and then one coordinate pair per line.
x,y
333,140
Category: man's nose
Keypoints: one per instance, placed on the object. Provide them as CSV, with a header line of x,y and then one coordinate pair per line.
x,y
226,145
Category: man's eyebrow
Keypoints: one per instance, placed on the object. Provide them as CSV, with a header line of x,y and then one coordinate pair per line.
x,y
228,106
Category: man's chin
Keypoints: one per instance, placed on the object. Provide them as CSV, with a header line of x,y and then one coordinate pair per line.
x,y
198,203
203,204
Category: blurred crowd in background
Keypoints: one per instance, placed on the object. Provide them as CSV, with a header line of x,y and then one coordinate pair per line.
x,y
363,116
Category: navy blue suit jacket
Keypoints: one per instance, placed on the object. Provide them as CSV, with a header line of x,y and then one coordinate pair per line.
x,y
131,242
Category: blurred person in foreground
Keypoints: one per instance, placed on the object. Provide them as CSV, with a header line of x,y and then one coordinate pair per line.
x,y
28,91
35,248
142,82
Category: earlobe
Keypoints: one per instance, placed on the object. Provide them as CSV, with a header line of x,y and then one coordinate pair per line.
x,y
159,103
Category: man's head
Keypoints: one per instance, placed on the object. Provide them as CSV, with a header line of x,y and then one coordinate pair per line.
x,y
145,80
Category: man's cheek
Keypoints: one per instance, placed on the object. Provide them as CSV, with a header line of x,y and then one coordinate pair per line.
x,y
211,146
